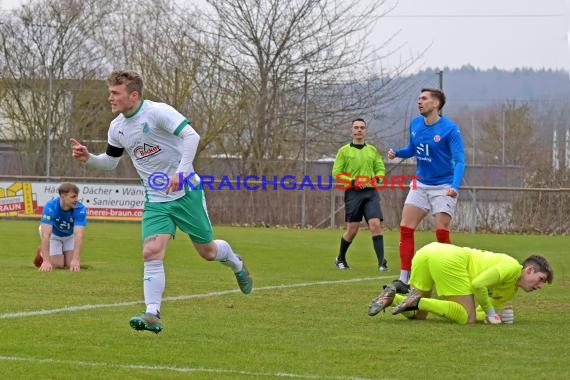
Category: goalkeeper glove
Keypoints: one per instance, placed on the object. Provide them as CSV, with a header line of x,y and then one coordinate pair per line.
x,y
508,315
492,317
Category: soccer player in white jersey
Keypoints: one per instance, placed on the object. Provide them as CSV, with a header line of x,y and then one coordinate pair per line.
x,y
159,139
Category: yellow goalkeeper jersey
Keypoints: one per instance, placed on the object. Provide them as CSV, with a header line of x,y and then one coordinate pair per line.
x,y
493,277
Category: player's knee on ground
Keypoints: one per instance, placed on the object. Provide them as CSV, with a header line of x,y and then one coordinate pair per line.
x,y
57,261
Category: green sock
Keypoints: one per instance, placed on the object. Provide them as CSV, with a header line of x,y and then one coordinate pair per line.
x,y
398,298
447,309
480,315
409,314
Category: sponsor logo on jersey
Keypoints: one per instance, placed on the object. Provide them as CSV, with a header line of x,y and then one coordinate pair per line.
x,y
437,138
146,150
420,148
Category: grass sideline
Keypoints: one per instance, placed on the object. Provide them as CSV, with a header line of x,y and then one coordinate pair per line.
x,y
305,320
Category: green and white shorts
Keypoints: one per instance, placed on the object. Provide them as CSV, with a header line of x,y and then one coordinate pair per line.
x,y
189,213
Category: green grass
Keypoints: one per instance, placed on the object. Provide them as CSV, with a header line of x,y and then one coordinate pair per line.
x,y
305,319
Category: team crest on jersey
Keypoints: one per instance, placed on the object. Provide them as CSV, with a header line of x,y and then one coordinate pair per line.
x,y
146,150
146,128
437,138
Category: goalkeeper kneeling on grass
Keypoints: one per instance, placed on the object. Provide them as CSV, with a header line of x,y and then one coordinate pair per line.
x,y
475,285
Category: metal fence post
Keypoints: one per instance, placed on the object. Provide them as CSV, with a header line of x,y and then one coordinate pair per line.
x,y
473,226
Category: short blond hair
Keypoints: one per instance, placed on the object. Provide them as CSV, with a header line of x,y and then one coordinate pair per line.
x,y
131,79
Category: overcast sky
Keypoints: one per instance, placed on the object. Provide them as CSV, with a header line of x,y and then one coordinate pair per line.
x,y
484,33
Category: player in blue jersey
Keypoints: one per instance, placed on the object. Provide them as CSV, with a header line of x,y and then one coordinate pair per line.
x,y
63,222
436,143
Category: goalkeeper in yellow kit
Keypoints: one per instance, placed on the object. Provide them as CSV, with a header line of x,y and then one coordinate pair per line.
x,y
465,278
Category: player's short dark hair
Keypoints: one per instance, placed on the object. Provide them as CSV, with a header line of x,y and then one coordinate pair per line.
x,y
540,264
436,93
129,78
67,187
358,119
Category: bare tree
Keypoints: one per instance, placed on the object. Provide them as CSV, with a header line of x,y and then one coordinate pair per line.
x,y
268,49
511,135
49,61
238,73
169,56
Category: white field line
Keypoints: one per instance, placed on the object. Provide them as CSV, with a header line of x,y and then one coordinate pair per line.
x,y
174,369
179,369
182,298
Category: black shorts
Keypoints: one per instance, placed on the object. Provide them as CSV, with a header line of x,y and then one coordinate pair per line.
x,y
362,203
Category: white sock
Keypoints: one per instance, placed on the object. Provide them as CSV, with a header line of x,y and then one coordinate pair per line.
x,y
404,276
154,282
226,256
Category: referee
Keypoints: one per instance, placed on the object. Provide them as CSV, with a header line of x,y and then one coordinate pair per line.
x,y
358,159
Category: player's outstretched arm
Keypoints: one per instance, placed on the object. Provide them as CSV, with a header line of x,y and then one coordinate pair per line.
x,y
78,151
105,161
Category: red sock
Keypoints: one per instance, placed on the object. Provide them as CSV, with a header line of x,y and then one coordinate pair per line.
x,y
442,236
38,259
406,247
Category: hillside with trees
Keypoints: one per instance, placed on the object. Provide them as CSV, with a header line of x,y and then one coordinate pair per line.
x,y
531,104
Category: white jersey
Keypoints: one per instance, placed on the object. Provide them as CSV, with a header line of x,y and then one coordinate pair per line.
x,y
150,138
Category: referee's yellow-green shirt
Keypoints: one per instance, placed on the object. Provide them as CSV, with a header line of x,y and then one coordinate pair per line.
x,y
351,162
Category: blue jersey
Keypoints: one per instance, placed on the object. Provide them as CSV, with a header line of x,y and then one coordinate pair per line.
x,y
62,222
439,152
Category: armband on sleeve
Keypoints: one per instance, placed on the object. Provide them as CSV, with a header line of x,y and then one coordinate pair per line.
x,y
113,151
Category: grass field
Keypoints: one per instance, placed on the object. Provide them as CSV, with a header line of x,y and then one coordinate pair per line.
x,y
305,319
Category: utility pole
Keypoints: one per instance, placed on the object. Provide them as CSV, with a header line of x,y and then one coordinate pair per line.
x,y
304,194
49,112
503,136
175,102
440,75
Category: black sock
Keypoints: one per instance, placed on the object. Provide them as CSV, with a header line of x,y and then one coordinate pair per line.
x,y
378,242
343,248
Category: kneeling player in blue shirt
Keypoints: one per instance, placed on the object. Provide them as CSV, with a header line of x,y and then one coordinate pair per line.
x,y
62,224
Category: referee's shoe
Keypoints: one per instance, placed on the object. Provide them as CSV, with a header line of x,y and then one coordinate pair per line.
x,y
341,264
